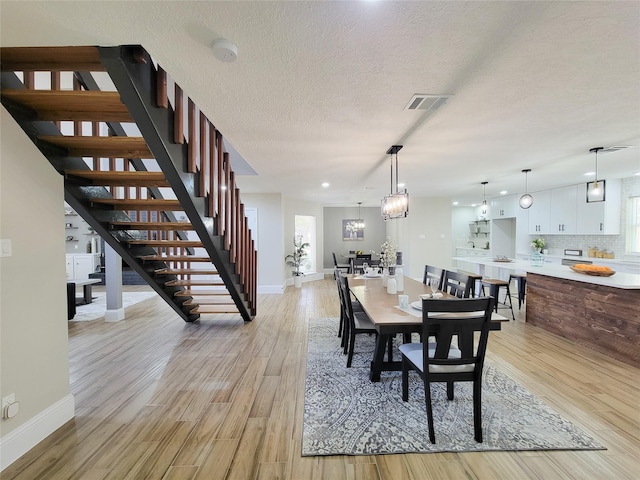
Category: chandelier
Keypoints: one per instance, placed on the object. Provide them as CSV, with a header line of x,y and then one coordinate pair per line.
x,y
395,205
356,225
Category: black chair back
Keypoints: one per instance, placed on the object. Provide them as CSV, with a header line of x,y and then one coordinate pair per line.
x,y
435,273
456,284
366,256
459,318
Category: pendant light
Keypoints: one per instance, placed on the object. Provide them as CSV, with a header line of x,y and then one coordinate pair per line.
x,y
360,221
595,189
356,225
484,198
395,205
526,200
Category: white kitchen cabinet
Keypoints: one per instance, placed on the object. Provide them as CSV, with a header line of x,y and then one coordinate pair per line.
x,y
563,210
79,266
504,207
599,218
540,213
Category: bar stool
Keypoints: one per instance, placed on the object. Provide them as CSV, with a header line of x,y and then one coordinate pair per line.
x,y
495,285
521,282
473,277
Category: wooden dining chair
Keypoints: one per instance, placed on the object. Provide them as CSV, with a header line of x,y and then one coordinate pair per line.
x,y
358,321
433,272
457,284
443,361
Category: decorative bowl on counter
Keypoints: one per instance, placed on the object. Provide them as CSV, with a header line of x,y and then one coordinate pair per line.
x,y
502,259
594,270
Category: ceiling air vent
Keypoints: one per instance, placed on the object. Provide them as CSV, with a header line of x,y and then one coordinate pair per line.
x,y
427,102
615,148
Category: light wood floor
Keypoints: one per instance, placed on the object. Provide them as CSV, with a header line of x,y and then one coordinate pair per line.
x,y
161,399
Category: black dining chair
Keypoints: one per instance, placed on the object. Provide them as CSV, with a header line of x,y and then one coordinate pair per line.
x,y
443,361
340,266
435,273
358,321
457,284
343,327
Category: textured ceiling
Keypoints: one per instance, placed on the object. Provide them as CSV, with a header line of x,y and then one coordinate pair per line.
x,y
319,89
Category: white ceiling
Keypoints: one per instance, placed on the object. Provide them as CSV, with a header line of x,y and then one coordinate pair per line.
x,y
319,89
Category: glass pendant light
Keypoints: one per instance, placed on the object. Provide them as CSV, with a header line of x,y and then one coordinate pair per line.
x,y
395,205
484,198
595,189
526,200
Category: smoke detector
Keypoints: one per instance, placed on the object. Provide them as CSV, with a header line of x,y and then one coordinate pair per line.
x,y
224,50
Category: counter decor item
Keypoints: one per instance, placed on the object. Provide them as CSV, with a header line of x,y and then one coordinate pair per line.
x,y
536,259
590,269
538,244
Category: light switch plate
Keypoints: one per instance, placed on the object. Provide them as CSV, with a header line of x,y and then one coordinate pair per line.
x,y
5,247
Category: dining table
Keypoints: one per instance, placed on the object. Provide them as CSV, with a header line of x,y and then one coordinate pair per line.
x,y
389,319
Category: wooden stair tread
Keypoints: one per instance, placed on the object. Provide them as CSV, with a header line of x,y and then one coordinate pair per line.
x,y
154,225
202,293
213,301
89,146
185,271
111,178
175,258
166,243
213,309
140,203
76,105
196,282
56,59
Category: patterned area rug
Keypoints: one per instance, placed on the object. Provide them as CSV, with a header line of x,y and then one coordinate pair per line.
x,y
97,308
346,414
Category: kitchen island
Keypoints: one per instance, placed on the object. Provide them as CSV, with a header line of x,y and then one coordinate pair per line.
x,y
602,313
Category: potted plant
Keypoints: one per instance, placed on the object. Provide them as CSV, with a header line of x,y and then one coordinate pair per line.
x,y
297,259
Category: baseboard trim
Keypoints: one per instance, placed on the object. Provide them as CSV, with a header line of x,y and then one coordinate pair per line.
x,y
19,441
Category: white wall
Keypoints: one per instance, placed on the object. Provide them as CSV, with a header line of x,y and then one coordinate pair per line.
x,y
270,239
33,309
293,207
425,235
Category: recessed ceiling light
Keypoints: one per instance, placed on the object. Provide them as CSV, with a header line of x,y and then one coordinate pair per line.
x,y
637,173
401,185
455,203
589,174
325,185
503,192
473,205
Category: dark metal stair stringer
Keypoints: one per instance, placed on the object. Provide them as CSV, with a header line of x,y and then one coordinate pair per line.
x,y
132,72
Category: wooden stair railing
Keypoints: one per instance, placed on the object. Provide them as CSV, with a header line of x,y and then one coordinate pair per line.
x,y
117,195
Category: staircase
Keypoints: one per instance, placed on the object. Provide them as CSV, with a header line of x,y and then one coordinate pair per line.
x,y
143,166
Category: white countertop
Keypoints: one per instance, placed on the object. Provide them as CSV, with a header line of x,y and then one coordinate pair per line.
x,y
603,261
618,280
